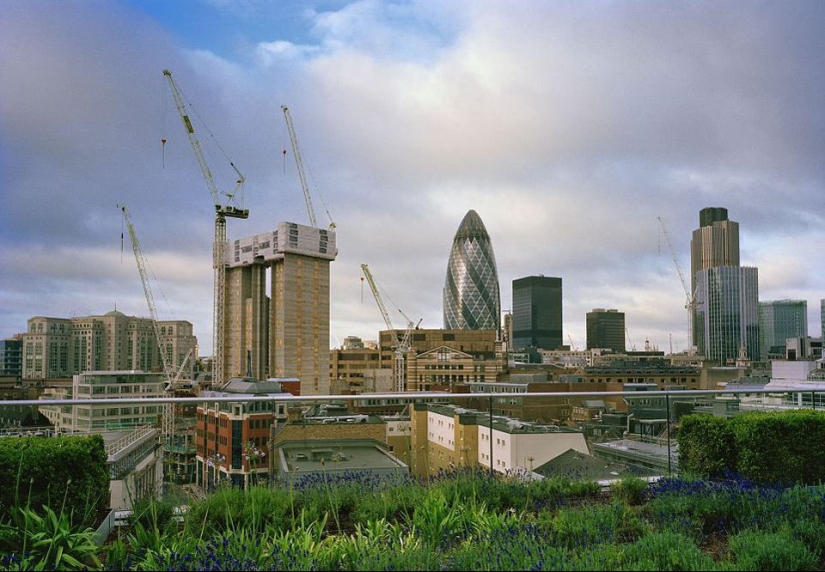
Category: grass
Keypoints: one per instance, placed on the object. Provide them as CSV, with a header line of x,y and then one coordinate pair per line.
x,y
472,521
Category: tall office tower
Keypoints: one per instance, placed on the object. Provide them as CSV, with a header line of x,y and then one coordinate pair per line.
x,y
537,313
471,293
726,316
285,334
728,312
778,321
822,319
715,243
606,329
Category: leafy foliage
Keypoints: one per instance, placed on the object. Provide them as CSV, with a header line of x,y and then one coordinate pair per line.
x,y
38,472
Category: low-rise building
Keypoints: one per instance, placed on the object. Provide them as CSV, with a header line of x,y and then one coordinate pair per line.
x,y
231,437
444,437
85,419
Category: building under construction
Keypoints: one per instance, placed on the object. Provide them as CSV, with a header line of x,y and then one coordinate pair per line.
x,y
281,330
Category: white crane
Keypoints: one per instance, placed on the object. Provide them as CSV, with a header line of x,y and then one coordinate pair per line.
x,y
401,347
223,209
690,299
168,420
299,163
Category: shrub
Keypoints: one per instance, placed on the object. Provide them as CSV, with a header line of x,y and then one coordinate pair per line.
x,y
707,446
38,472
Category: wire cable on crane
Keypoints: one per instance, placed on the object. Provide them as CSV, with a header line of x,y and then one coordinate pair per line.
x,y
239,182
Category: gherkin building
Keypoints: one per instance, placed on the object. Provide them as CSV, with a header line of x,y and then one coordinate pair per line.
x,y
471,294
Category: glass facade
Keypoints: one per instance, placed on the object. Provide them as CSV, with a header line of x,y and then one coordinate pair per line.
x,y
11,361
727,312
537,313
780,320
606,329
472,300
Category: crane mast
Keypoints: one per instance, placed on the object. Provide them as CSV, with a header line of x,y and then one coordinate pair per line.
x,y
222,211
299,163
400,346
168,419
690,299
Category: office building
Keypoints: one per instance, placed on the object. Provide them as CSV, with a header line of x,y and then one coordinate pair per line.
x,y
727,312
606,330
439,358
822,318
85,419
537,313
715,243
471,290
11,360
284,334
232,438
55,348
780,320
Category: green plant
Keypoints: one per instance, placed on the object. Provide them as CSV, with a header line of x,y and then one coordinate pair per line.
x,y
629,489
757,550
51,542
665,551
436,519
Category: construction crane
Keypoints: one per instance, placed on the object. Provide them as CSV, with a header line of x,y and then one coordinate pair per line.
x,y
629,341
299,163
223,209
690,299
168,418
402,346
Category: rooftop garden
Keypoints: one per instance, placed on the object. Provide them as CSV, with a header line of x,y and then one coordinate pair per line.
x,y
459,521
752,504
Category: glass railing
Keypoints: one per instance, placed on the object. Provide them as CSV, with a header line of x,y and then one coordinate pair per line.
x,y
240,440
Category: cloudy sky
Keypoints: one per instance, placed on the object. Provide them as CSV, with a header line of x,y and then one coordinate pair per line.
x,y
569,126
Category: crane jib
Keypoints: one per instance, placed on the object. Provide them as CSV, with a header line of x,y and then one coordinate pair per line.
x,y
188,123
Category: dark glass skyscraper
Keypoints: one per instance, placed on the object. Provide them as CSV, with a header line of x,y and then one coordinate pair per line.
x,y
537,313
471,292
606,329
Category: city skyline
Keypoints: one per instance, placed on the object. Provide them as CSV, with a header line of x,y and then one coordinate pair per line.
x,y
568,126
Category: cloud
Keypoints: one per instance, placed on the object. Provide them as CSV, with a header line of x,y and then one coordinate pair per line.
x,y
568,126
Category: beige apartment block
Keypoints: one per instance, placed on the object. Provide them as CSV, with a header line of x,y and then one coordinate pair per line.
x,y
284,335
55,348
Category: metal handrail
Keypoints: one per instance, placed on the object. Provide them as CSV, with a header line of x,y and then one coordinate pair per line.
x,y
411,396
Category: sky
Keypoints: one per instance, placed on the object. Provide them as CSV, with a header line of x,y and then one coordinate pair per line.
x,y
571,127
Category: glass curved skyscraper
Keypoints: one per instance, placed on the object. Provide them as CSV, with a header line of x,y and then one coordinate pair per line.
x,y
471,294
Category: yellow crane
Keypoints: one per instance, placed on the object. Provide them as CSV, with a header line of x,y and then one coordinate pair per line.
x,y
401,346
299,163
223,210
168,418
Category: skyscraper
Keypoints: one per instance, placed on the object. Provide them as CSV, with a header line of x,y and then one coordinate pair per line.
x,y
780,320
714,243
726,313
606,329
471,292
537,313
285,334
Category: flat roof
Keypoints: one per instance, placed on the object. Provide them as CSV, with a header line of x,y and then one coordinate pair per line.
x,y
336,455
